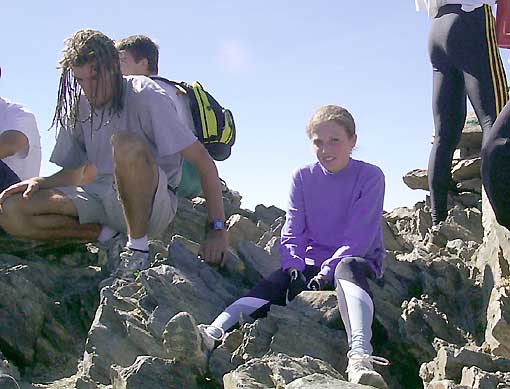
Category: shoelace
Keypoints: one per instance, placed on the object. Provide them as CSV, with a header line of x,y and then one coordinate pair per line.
x,y
359,359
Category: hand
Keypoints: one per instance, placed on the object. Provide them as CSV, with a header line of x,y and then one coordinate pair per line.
x,y
317,283
214,249
27,187
296,285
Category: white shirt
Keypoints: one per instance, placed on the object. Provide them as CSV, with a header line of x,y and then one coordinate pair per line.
x,y
432,6
25,163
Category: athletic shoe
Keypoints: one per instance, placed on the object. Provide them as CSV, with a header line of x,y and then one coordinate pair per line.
x,y
211,336
109,252
132,262
436,235
8,382
360,370
436,228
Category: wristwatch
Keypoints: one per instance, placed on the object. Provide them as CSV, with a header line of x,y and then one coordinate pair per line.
x,y
216,225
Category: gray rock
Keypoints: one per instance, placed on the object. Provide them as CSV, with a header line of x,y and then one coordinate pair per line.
x,y
466,169
473,369
183,343
392,240
462,249
473,185
476,378
471,137
268,215
416,179
497,334
241,228
276,370
273,247
152,373
322,381
259,263
421,321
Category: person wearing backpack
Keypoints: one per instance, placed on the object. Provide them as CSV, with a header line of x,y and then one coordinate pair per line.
x,y
465,61
129,130
139,55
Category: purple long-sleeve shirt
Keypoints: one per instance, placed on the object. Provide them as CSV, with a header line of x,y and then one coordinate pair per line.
x,y
333,216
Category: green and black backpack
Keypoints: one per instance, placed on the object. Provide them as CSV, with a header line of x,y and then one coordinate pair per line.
x,y
214,124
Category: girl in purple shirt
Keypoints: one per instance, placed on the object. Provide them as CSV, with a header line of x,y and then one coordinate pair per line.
x,y
332,238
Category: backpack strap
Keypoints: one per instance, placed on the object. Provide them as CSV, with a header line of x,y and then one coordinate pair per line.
x,y
179,85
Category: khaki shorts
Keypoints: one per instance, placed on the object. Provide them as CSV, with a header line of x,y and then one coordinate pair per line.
x,y
99,203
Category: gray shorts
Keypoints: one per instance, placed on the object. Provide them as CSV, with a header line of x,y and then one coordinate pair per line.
x,y
99,202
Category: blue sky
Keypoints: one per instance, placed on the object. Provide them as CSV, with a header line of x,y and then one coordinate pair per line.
x,y
271,62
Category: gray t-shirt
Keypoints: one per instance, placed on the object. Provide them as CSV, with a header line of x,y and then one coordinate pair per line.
x,y
148,111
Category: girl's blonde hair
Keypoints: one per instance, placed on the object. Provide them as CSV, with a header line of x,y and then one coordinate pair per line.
x,y
334,113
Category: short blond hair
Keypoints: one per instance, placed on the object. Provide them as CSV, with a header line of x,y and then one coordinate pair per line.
x,y
332,113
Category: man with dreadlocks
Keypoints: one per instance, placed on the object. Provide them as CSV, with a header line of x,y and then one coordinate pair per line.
x,y
128,128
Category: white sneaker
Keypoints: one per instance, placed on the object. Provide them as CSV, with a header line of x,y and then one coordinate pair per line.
x,y
360,370
8,382
209,340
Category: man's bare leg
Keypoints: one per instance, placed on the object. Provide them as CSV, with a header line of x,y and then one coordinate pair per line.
x,y
46,215
136,176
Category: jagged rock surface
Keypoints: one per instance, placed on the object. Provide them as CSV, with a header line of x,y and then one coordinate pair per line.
x,y
441,309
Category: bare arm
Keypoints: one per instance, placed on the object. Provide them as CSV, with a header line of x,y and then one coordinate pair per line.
x,y
64,177
11,142
214,248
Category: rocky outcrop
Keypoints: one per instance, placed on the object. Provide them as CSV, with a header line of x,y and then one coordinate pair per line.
x,y
441,307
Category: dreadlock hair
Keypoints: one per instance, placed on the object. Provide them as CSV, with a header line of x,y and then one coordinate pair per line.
x,y
141,46
86,47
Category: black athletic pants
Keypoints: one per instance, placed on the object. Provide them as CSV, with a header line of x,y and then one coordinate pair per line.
x,y
465,60
7,176
496,166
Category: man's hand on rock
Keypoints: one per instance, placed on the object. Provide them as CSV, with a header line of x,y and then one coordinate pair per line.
x,y
214,248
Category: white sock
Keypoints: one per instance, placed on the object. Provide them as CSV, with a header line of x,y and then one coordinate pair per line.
x,y
106,234
141,244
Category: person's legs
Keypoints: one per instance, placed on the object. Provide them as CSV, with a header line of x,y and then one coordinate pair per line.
x,y
135,256
449,109
357,311
46,215
136,178
488,92
481,63
355,302
495,166
7,176
256,303
448,106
